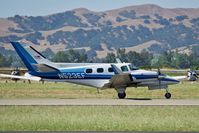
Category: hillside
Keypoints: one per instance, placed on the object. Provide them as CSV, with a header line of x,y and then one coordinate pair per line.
x,y
134,28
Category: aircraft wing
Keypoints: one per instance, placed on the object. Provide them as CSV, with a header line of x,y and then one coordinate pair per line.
x,y
45,68
35,78
119,79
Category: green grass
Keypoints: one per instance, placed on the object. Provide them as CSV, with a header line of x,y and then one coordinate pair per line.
x,y
185,90
175,74
99,118
96,118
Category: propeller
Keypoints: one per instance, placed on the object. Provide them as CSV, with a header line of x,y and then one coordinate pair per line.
x,y
159,79
160,76
159,72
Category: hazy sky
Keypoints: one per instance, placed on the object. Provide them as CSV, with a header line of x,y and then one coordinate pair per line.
x,y
44,7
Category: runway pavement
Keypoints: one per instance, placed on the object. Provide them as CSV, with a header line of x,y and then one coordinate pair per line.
x,y
105,102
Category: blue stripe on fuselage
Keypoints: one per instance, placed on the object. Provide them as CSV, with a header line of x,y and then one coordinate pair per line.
x,y
55,75
78,73
144,76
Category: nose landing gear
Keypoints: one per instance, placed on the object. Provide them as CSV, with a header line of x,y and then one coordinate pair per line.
x,y
167,94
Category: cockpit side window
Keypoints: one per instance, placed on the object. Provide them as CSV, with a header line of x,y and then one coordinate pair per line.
x,y
124,68
132,67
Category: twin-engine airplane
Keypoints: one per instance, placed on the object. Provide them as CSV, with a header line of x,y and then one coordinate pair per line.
x,y
99,75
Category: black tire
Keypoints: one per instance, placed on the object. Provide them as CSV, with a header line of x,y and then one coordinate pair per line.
x,y
167,95
121,95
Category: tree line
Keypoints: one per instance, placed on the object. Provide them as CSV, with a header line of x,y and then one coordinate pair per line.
x,y
144,59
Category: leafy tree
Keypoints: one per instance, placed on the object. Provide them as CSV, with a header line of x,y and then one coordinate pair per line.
x,y
5,62
110,58
134,58
60,56
146,58
121,55
70,56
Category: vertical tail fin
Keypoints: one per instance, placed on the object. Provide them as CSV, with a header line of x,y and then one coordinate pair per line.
x,y
30,56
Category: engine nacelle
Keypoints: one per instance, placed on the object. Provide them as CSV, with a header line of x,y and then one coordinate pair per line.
x,y
155,87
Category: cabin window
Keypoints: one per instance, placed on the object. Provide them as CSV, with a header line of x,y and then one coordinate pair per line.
x,y
100,70
89,70
110,69
124,68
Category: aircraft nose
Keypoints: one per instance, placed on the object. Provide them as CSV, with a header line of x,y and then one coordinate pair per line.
x,y
172,80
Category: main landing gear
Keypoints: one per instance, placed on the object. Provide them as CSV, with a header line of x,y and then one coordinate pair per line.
x,y
121,95
167,94
121,92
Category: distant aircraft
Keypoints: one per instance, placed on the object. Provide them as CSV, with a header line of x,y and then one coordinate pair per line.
x,y
192,75
99,75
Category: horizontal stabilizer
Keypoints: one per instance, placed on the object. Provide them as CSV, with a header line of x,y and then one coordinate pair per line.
x,y
118,60
44,68
35,78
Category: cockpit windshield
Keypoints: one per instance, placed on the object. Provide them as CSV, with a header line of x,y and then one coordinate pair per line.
x,y
124,68
132,67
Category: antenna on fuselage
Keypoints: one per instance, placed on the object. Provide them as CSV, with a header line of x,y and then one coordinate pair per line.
x,y
118,60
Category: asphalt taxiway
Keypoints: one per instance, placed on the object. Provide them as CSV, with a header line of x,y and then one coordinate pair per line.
x,y
101,102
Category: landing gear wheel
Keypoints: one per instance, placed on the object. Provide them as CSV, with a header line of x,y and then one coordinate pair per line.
x,y
167,95
121,95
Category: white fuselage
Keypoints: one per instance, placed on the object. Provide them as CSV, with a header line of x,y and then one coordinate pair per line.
x,y
79,74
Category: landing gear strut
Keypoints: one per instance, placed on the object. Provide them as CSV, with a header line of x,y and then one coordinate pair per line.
x,y
121,95
167,95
